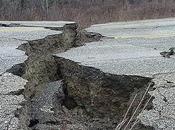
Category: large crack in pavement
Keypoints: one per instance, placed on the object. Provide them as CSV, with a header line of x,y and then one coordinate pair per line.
x,y
50,102
45,72
66,91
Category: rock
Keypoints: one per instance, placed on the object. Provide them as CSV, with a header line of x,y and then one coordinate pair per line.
x,y
168,54
165,54
3,25
10,104
86,37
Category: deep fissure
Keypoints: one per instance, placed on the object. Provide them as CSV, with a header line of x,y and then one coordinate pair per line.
x,y
43,70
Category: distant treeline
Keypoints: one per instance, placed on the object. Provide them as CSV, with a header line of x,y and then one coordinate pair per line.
x,y
86,12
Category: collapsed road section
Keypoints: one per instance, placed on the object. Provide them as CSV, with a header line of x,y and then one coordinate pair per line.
x,y
76,79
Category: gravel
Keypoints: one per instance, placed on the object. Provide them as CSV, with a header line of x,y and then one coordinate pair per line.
x,y
9,103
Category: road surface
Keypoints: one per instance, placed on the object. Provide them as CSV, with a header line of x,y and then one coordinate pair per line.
x,y
131,48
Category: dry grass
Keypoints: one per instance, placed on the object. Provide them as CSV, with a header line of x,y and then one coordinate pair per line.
x,y
87,12
126,123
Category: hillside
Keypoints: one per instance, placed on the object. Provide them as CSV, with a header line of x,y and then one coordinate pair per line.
x,y
86,12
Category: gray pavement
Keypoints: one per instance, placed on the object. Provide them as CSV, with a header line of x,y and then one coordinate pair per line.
x,y
144,28
132,48
114,57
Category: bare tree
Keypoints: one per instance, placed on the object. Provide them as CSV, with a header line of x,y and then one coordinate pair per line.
x,y
47,8
86,12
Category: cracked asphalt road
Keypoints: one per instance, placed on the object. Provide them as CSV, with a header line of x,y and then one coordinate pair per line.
x,y
10,39
131,48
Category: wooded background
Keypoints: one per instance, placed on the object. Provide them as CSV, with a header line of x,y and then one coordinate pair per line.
x,y
86,12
